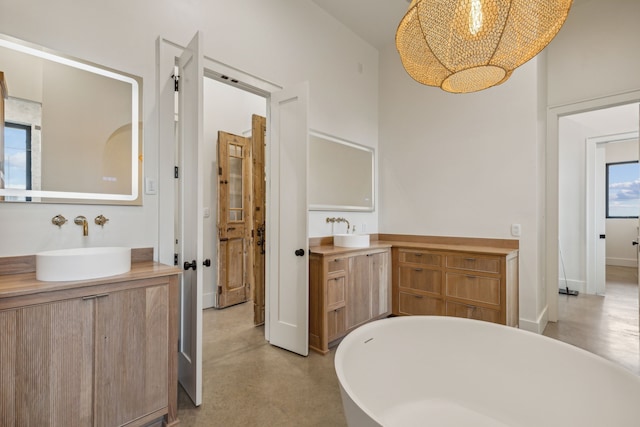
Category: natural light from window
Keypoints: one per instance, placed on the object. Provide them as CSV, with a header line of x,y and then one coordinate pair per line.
x,y
623,190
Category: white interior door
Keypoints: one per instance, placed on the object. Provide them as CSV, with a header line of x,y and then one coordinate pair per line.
x,y
601,222
287,221
191,202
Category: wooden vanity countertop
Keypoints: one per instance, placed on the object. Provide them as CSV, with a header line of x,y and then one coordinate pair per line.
x,y
15,285
328,250
486,250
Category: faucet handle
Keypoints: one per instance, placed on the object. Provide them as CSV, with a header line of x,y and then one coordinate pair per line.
x,y
58,220
101,220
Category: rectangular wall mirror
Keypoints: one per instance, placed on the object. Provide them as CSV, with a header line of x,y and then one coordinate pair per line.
x,y
71,130
341,174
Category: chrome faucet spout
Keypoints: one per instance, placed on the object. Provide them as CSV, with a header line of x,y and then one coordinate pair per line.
x,y
81,220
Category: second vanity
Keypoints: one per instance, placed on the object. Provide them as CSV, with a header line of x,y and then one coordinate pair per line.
x,y
409,275
99,352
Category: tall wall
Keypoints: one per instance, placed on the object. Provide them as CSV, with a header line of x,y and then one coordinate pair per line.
x,y
473,164
278,40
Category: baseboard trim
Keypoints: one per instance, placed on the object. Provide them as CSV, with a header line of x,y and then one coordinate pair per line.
x,y
208,300
537,326
622,262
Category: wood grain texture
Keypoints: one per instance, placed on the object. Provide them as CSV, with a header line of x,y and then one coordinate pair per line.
x,y
258,132
8,336
131,358
47,365
50,358
451,241
346,290
435,279
18,285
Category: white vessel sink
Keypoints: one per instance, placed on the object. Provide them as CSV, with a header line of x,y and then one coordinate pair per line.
x,y
82,263
351,240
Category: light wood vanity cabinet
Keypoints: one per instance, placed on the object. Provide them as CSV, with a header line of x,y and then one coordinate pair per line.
x,y
468,282
346,290
100,355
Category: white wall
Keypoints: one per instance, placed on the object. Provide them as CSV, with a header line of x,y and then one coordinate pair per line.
x,y
621,231
278,40
463,165
469,165
595,54
572,203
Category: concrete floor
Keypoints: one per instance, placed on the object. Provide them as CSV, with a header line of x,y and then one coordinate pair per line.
x,y
248,382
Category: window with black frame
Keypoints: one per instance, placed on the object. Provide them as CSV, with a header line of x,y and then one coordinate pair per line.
x,y
623,190
17,157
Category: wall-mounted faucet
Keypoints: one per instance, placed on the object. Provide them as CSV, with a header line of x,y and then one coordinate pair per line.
x,y
58,220
81,220
101,220
334,220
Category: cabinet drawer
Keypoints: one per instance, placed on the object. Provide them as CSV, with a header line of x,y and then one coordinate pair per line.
x,y
422,279
419,304
472,312
335,324
474,263
420,257
337,265
473,288
336,288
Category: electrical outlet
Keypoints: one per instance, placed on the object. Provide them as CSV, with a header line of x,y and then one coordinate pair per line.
x,y
516,230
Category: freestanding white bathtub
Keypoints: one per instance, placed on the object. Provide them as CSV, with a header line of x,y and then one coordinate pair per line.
x,y
446,371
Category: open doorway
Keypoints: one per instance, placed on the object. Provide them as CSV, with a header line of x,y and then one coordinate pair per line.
x,y
230,111
587,239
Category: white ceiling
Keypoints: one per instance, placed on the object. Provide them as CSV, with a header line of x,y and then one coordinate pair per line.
x,y
375,21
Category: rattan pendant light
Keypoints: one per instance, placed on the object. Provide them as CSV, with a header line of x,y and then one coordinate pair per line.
x,y
469,45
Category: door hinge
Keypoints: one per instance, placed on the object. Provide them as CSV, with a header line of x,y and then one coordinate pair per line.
x,y
175,259
219,170
176,173
176,82
219,290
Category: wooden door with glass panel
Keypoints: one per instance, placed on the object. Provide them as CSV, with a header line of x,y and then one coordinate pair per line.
x,y
234,219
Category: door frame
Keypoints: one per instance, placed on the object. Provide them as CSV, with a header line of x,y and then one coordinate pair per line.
x,y
167,51
551,185
595,282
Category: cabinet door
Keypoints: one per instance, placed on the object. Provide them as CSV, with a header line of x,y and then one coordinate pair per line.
x,y
335,324
46,364
358,291
380,287
131,354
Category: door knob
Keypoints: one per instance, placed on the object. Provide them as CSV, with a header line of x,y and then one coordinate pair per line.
x,y
299,252
635,242
207,262
188,265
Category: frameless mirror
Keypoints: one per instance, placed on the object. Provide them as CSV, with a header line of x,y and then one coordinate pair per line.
x,y
71,130
341,174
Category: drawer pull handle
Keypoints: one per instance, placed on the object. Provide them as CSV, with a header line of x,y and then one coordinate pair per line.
x,y
418,296
338,259
470,259
94,296
417,254
417,269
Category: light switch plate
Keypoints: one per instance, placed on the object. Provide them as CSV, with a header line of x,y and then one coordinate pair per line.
x,y
516,230
150,186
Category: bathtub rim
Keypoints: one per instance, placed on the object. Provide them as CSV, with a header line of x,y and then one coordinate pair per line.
x,y
358,333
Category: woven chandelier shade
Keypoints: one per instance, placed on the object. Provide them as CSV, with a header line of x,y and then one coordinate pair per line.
x,y
468,45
